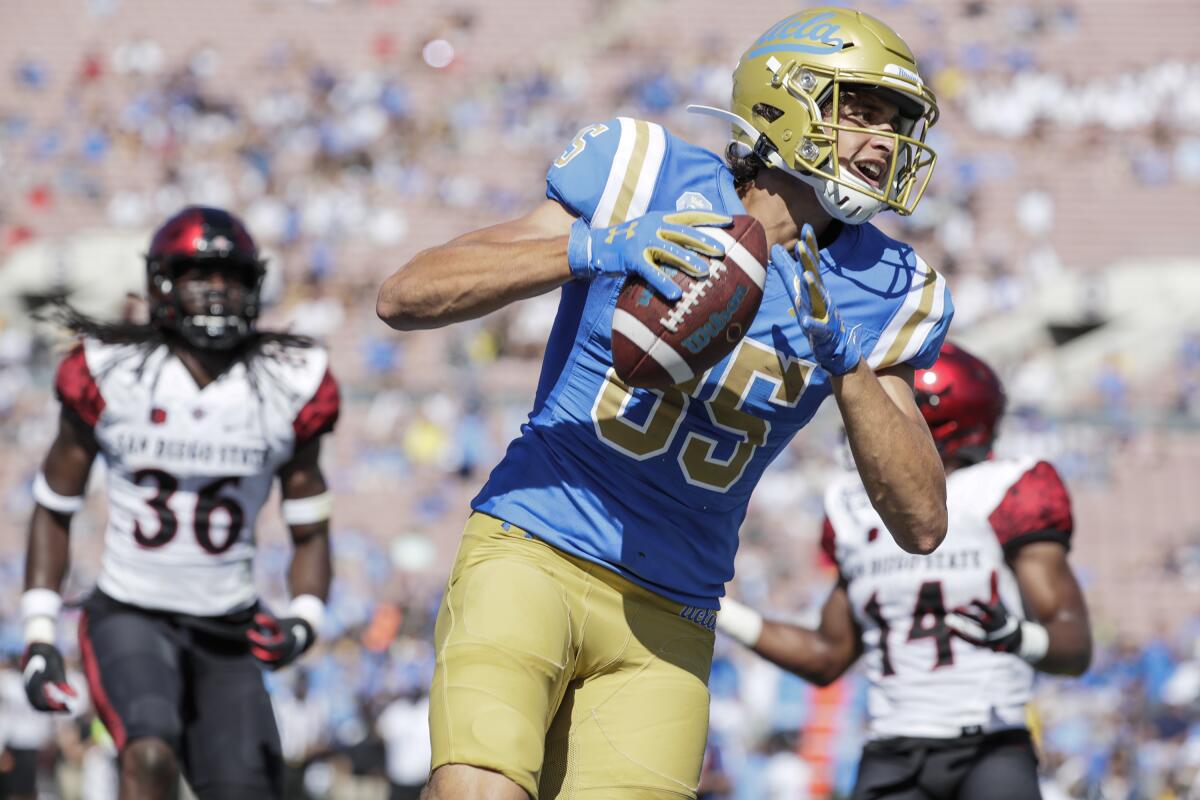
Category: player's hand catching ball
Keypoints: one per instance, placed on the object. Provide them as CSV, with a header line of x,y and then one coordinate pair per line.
x,y
642,246
277,642
834,346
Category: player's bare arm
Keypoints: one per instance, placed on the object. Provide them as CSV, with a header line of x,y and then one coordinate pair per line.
x,y
307,504
479,272
490,268
1053,598
65,472
58,490
819,655
892,448
301,479
895,454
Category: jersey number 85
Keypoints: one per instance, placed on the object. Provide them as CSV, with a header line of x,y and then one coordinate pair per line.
x,y
697,459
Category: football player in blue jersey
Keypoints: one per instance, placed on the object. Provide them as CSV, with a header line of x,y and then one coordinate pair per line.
x,y
576,633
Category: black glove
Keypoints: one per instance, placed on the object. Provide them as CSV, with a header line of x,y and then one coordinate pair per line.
x,y
987,625
279,642
45,677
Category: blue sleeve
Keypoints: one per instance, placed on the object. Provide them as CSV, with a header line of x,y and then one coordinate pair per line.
x,y
577,178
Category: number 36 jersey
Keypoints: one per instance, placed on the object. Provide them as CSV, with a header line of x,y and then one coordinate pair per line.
x,y
189,469
654,484
923,681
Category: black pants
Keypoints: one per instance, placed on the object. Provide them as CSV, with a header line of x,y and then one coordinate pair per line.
x,y
999,766
191,682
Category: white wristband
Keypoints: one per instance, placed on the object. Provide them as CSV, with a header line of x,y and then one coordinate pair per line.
x,y
307,510
39,613
739,622
48,498
40,629
309,608
1035,642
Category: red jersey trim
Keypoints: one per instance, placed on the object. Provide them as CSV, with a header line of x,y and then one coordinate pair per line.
x,y
1036,507
77,389
320,413
828,544
1013,545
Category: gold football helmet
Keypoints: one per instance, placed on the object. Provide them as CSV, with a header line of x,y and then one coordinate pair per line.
x,y
788,90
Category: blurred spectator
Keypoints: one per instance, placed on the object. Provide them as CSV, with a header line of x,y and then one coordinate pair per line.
x,y
404,728
786,776
304,723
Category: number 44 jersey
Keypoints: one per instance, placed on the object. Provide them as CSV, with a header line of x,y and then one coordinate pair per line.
x,y
189,468
654,484
923,681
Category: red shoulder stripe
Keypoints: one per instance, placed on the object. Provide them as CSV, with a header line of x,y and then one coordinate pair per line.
x,y
77,389
320,413
1036,507
828,545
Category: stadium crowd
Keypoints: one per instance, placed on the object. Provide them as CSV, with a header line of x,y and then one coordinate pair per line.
x,y
338,169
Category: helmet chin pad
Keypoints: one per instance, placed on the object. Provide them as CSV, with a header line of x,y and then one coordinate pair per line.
x,y
845,203
213,331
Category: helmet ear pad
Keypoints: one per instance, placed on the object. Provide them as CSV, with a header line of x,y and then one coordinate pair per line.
x,y
161,290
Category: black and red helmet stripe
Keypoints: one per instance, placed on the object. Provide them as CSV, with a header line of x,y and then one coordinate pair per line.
x,y
202,232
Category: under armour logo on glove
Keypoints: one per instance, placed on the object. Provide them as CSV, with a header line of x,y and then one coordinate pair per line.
x,y
645,245
835,347
45,677
279,642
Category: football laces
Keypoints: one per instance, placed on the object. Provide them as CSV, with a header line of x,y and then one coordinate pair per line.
x,y
691,297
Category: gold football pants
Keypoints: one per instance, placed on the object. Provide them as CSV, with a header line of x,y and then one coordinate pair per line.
x,y
565,677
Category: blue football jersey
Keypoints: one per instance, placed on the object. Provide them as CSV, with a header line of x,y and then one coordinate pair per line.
x,y
654,484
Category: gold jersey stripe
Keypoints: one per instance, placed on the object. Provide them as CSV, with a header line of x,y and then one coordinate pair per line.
x,y
637,160
910,325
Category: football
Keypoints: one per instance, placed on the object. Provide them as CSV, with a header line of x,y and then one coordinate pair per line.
x,y
656,344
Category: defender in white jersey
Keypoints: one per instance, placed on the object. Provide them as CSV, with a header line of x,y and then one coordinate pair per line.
x,y
950,640
195,415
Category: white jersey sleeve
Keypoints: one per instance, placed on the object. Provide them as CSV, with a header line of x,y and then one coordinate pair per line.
x,y
923,681
189,467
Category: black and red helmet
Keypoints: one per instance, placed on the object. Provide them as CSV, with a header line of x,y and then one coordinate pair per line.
x,y
962,401
199,235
